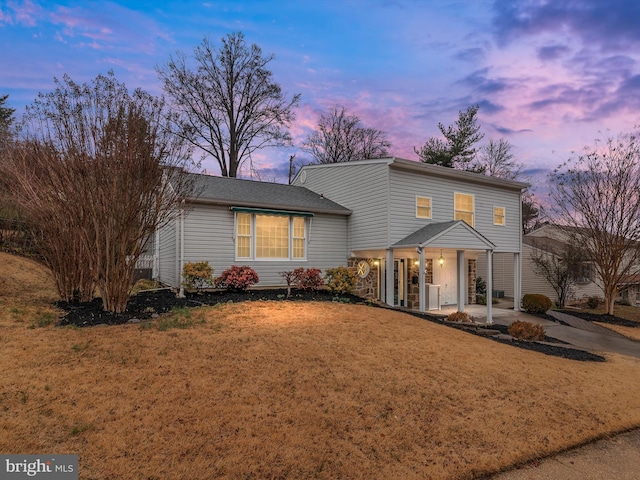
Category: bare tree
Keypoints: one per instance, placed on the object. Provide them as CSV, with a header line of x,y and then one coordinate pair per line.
x,y
457,150
496,159
229,104
341,138
98,172
559,264
597,200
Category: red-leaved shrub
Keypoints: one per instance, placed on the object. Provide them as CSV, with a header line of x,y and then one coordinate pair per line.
x,y
237,278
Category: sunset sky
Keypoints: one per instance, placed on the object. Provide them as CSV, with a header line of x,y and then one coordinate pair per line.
x,y
548,75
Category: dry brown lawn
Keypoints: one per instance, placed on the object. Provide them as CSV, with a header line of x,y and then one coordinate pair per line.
x,y
291,390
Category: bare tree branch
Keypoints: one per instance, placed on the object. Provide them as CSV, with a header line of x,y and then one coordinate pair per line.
x,y
228,103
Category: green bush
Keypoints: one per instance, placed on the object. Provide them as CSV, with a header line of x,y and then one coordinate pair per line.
x,y
460,317
593,302
526,331
535,303
197,275
340,281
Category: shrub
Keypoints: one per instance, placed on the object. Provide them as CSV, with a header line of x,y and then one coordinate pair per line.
x,y
481,286
535,303
340,281
197,275
237,278
526,331
310,279
593,302
460,317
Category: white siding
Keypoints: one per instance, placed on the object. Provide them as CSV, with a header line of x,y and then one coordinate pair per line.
x,y
362,188
404,186
209,236
502,271
167,261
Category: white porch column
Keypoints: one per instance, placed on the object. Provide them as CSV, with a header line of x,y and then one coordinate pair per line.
x,y
517,281
462,291
389,277
489,286
422,286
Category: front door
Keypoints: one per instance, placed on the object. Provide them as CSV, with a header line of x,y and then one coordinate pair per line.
x,y
399,290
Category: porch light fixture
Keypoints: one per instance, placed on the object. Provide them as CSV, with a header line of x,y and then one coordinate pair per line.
x,y
441,260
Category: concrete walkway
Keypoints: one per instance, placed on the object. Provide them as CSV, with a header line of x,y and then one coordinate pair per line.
x,y
613,458
577,333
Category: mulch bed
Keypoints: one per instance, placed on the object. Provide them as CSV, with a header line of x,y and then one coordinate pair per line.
x,y
554,350
604,318
150,304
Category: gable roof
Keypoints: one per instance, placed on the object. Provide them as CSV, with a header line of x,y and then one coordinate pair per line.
x,y
249,193
428,169
431,232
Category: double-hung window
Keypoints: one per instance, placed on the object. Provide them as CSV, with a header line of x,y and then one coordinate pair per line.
x,y
464,208
423,207
499,216
266,236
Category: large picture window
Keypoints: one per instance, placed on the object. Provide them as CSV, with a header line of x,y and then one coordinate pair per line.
x,y
265,237
464,208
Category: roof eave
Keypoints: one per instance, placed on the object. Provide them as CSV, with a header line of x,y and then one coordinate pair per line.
x,y
272,206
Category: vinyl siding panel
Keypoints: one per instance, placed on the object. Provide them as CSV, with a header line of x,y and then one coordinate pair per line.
x,y
502,271
209,236
167,254
362,188
404,186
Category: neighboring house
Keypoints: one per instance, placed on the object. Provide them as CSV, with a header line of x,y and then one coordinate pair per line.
x,y
546,240
413,232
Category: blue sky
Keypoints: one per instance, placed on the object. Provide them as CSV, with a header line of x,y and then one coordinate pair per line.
x,y
549,76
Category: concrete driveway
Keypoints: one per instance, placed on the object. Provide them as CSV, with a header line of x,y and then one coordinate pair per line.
x,y
580,334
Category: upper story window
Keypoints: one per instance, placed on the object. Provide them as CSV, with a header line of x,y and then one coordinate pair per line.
x,y
499,216
266,237
464,208
423,207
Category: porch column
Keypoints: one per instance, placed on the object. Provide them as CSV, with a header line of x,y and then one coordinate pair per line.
x,y
389,277
489,286
517,281
461,275
422,286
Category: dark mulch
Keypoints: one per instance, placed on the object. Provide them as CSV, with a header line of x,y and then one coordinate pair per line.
x,y
545,348
146,305
604,318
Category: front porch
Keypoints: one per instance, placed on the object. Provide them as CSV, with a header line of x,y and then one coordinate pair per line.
x,y
432,268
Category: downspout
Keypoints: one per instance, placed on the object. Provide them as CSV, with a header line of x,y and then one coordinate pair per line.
x,y
156,258
181,294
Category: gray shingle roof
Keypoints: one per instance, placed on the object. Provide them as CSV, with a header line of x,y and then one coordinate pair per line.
x,y
423,235
249,193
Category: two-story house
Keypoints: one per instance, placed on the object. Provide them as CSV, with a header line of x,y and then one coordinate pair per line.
x,y
412,231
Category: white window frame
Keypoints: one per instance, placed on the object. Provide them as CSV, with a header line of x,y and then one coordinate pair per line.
x,y
253,246
430,207
473,212
504,216
251,236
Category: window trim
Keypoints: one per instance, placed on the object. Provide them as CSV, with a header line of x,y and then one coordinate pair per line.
x,y
253,238
430,217
473,212
504,216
